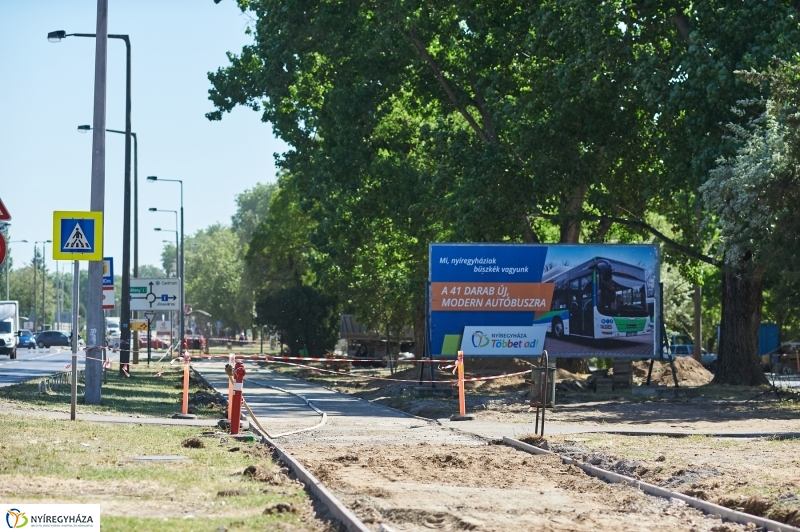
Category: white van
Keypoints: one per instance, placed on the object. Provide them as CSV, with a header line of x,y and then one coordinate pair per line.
x,y
112,327
9,327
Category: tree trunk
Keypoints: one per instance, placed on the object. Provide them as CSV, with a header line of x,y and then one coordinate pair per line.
x,y
570,234
738,361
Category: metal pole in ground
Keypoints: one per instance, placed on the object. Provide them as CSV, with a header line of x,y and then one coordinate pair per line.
x,y
76,279
149,341
94,304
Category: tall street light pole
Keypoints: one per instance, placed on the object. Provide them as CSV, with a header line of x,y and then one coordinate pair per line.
x,y
35,281
8,286
176,242
182,273
153,209
84,129
95,319
44,278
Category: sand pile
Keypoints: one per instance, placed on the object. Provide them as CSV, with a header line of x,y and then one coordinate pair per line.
x,y
689,372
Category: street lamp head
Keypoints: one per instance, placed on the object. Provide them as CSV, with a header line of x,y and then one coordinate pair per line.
x,y
84,128
157,229
152,209
56,36
48,241
152,178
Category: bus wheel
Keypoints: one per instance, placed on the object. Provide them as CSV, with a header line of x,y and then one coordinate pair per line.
x,y
558,328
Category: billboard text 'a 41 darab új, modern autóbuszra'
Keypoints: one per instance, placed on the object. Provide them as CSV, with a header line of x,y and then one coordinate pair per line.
x,y
575,300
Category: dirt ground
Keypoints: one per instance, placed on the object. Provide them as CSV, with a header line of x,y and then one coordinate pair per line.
x,y
490,487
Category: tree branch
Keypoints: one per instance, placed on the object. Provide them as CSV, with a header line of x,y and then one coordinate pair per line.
x,y
682,23
446,86
480,104
649,228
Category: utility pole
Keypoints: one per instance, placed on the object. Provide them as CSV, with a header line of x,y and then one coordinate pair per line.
x,y
95,327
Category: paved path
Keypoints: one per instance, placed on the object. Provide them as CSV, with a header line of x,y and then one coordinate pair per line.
x,y
278,401
279,413
349,420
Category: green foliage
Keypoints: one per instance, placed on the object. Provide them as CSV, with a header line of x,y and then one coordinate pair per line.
x,y
305,316
169,260
213,276
279,253
252,207
148,271
413,122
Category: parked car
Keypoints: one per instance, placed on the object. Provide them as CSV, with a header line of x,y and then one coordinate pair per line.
x,y
194,341
26,339
398,358
51,338
155,341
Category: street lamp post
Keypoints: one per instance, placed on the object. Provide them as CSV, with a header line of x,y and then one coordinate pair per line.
x,y
182,273
35,282
44,278
84,129
153,209
8,286
125,311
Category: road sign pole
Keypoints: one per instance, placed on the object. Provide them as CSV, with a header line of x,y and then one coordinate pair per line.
x,y
149,342
76,279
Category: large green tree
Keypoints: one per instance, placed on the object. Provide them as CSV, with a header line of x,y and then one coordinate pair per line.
x,y
413,122
213,276
753,198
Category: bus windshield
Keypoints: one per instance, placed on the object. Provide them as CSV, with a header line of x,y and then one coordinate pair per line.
x,y
622,296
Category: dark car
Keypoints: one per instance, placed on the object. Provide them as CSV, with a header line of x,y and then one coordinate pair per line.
x,y
26,339
51,338
194,341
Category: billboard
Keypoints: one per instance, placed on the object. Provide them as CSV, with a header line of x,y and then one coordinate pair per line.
x,y
575,300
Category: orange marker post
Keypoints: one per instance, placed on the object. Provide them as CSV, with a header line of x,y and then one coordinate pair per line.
x,y
462,408
185,409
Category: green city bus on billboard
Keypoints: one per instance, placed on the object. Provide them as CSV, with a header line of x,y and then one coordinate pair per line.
x,y
574,300
600,298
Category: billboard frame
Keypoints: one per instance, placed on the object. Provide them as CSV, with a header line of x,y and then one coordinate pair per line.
x,y
488,263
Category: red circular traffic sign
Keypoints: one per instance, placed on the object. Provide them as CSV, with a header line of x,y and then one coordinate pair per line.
x,y
2,249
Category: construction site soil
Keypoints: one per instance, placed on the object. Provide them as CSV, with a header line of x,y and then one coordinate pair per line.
x,y
413,485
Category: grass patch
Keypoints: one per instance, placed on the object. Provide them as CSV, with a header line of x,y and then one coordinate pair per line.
x,y
143,393
51,461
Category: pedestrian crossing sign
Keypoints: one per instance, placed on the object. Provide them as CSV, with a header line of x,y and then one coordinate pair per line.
x,y
78,235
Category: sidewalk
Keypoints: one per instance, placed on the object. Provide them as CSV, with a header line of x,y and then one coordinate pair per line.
x,y
353,421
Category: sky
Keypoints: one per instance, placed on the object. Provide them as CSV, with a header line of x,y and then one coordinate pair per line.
x,y
47,91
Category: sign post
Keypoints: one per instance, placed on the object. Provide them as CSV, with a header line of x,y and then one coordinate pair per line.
x,y
149,314
77,235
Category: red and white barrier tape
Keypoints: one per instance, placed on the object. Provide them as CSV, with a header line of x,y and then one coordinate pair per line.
x,y
372,377
326,359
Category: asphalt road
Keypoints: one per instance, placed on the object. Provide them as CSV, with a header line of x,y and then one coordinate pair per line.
x,y
34,363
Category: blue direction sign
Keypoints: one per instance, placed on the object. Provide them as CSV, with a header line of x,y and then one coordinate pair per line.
x,y
108,271
78,235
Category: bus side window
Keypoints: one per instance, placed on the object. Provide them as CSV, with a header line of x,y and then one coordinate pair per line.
x,y
560,295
